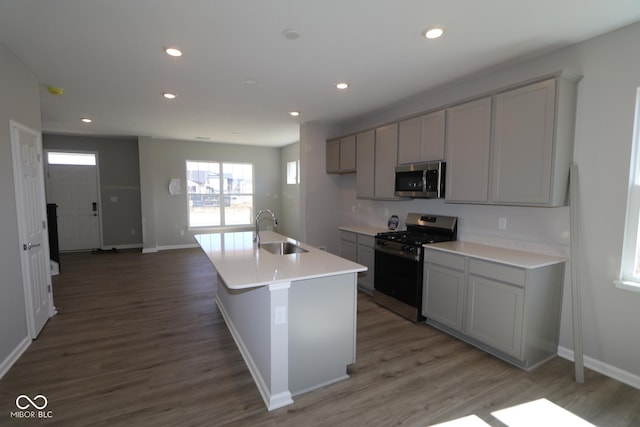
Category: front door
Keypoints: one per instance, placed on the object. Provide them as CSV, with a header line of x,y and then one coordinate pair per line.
x,y
26,147
74,188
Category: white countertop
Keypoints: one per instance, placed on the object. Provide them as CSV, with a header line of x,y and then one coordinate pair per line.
x,y
364,229
513,257
241,264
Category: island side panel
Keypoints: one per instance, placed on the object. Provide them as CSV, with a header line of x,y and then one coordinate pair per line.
x,y
248,314
322,331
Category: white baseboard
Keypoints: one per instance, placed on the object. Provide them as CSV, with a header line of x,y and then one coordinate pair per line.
x,y
13,357
131,246
603,368
149,250
170,247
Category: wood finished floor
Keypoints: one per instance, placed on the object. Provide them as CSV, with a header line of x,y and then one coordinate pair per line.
x,y
138,341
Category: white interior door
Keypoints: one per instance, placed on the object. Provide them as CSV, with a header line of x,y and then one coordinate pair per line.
x,y
26,147
74,188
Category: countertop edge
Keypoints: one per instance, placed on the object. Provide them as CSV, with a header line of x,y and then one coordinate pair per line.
x,y
501,254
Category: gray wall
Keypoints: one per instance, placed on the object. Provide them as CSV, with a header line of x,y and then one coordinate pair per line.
x,y
20,102
165,217
604,134
119,178
289,217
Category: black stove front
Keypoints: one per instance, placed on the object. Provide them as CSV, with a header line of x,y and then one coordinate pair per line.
x,y
399,262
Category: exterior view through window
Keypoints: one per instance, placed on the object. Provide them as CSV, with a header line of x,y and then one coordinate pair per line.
x,y
630,266
219,194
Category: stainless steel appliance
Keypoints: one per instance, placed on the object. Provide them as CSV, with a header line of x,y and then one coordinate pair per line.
x,y
399,261
424,180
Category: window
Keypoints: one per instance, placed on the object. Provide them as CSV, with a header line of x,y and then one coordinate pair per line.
x,y
78,159
219,194
630,266
293,172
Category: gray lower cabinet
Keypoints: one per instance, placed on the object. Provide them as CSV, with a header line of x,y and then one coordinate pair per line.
x,y
359,248
511,312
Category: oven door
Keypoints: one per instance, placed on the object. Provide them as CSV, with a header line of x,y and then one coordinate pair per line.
x,y
398,284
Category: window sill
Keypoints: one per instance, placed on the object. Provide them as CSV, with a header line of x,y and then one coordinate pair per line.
x,y
627,285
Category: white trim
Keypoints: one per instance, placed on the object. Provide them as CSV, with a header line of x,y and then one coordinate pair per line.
x,y
13,357
128,246
604,368
149,250
170,247
272,401
627,285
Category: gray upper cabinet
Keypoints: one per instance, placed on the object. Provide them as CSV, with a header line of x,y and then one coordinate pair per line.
x,y
386,160
333,156
421,139
468,144
365,163
533,140
341,155
517,154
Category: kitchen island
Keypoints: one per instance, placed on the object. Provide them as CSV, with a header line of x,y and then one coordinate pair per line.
x,y
292,316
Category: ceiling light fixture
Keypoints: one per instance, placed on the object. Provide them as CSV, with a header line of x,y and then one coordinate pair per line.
x,y
86,120
169,95
342,86
294,113
172,51
433,32
290,34
250,81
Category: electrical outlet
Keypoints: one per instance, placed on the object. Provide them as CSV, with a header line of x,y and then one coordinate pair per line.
x,y
502,223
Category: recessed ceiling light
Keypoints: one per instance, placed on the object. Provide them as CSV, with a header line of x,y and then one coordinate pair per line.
x,y
86,120
342,85
169,95
250,81
172,51
294,113
290,34
433,32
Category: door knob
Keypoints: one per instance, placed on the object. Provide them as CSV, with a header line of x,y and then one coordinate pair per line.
x,y
30,245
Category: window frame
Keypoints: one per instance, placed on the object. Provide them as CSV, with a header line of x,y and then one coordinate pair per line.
x,y
629,277
222,194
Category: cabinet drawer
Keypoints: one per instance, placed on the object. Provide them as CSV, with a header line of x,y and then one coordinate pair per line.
x,y
503,273
445,259
348,236
366,240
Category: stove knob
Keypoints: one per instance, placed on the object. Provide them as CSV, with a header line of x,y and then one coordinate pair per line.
x,y
406,248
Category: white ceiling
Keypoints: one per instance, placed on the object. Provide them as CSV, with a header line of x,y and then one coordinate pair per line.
x,y
108,57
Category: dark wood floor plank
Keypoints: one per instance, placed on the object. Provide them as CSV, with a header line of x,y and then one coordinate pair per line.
x,y
139,341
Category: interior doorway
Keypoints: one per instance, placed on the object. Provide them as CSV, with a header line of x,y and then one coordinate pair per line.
x,y
72,184
26,147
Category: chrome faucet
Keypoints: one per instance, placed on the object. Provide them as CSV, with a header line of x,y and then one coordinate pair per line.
x,y
256,237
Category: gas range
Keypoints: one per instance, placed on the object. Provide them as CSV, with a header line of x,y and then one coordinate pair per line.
x,y
421,229
399,260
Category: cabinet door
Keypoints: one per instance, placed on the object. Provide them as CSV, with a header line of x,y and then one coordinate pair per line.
x,y
366,257
333,156
432,128
365,164
386,161
443,295
523,144
348,245
495,314
348,154
409,141
468,143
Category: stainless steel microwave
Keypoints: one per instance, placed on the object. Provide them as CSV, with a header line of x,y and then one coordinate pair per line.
x,y
424,180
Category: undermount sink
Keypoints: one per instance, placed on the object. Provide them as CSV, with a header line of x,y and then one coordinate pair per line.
x,y
282,248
